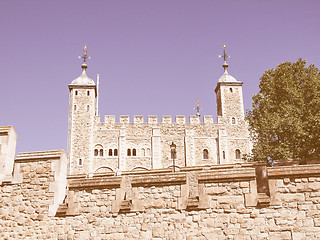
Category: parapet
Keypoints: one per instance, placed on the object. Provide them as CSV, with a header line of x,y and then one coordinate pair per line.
x,y
153,119
110,119
138,119
180,119
124,119
166,119
194,119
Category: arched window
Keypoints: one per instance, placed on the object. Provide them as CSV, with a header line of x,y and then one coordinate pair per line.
x,y
238,153
88,93
80,162
115,152
143,152
134,152
231,90
75,107
110,152
224,155
233,120
96,152
76,93
129,152
205,154
88,107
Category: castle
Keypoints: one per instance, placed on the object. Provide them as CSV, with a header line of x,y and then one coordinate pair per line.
x,y
118,180
95,146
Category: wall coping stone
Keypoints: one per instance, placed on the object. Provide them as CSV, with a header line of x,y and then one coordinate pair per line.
x,y
38,156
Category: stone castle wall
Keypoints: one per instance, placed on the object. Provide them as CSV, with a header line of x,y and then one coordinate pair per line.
x,y
151,142
194,136
231,202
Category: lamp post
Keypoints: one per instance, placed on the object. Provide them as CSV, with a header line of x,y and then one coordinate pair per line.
x,y
173,154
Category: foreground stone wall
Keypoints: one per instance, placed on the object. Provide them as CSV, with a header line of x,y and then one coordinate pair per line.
x,y
218,202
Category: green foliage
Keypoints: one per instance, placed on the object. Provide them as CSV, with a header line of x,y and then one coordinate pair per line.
x,y
285,117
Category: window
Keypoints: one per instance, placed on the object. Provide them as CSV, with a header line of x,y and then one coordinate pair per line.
x,y
129,152
76,93
143,152
88,93
115,152
88,107
233,121
110,152
148,152
231,90
96,152
238,153
80,162
224,155
134,152
75,107
205,154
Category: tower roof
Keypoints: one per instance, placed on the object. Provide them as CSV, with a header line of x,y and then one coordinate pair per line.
x,y
83,79
226,77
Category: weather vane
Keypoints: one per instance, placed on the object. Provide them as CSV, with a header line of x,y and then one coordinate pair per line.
x,y
225,56
198,108
85,56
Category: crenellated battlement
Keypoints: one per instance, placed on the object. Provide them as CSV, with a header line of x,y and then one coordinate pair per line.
x,y
153,119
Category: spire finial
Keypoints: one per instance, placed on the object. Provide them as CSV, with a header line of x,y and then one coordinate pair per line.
x,y
198,108
225,56
85,57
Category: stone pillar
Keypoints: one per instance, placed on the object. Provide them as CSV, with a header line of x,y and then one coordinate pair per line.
x,y
122,150
8,140
189,148
223,148
156,148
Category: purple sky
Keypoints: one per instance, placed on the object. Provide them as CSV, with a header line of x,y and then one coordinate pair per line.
x,y
153,57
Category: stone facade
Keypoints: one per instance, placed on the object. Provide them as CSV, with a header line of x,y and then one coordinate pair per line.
x,y
96,146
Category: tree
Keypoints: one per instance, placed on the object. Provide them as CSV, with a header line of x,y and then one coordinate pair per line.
x,y
285,116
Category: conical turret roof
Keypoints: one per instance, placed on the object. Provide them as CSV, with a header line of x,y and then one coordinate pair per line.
x,y
226,77
83,79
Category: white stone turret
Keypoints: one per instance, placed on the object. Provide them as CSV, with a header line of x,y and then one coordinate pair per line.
x,y
229,97
233,135
82,107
